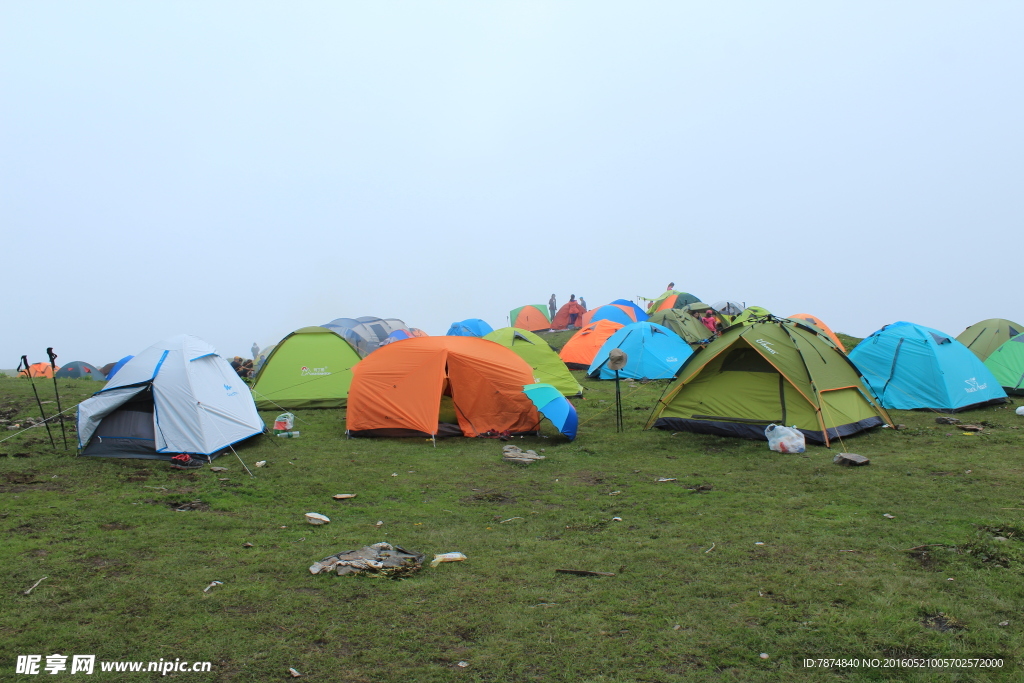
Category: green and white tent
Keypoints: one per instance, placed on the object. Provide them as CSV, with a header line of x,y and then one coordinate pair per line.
x,y
1007,364
310,368
985,337
548,368
769,371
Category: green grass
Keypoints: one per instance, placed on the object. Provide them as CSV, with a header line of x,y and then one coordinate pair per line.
x,y
694,597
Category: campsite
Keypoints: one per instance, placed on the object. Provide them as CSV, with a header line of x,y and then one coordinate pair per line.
x,y
511,342
718,551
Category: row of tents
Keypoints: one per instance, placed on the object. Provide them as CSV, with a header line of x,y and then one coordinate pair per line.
x,y
735,370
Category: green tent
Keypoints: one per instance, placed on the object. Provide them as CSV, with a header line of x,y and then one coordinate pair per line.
x,y
1007,364
772,371
671,298
748,314
310,368
685,322
548,368
985,337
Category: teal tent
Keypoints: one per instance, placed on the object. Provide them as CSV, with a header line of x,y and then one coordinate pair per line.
x,y
909,366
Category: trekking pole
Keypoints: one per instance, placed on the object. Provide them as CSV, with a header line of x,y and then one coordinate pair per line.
x,y
60,412
618,404
28,373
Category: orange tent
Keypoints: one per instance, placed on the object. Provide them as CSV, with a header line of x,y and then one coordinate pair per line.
x,y
816,322
530,318
401,389
563,319
578,353
38,370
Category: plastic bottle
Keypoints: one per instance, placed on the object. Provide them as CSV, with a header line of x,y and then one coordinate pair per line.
x,y
289,435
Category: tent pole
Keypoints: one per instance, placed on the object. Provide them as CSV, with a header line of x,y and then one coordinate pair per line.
x,y
28,373
60,412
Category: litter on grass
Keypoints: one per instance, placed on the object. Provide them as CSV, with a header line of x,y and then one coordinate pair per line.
x,y
379,559
344,496
515,454
447,557
316,518
212,584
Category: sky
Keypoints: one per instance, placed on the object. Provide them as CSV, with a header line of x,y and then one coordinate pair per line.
x,y
238,170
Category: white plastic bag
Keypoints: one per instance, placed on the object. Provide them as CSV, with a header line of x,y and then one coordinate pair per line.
x,y
284,423
784,439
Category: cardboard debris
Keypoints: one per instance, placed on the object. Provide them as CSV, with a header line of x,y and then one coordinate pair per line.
x,y
316,518
381,559
850,459
515,454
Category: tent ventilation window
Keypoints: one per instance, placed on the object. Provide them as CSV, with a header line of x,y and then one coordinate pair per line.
x,y
746,360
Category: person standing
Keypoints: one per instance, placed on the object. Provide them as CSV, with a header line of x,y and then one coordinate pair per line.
x,y
552,306
574,310
583,303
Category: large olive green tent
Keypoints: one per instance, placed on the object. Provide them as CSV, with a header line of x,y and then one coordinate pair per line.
x,y
538,354
310,368
769,371
985,337
1007,364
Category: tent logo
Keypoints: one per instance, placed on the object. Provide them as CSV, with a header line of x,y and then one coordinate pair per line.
x,y
671,359
767,346
314,371
972,385
227,388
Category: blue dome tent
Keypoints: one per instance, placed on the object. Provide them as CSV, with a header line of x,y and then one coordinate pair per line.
x,y
910,366
653,352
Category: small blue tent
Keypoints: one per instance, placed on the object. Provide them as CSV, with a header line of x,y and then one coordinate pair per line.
x,y
471,327
641,314
909,366
652,352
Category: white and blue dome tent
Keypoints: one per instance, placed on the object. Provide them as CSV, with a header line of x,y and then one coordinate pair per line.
x,y
909,367
177,396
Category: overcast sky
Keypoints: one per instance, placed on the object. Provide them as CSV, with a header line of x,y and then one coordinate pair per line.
x,y
237,170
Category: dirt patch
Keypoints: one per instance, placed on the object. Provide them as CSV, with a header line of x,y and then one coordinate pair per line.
x,y
701,488
32,487
925,559
493,497
21,478
115,526
589,478
139,475
943,623
189,506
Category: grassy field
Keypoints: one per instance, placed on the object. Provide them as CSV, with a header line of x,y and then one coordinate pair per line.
x,y
745,552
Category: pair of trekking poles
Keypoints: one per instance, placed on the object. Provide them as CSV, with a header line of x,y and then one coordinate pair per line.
x,y
42,411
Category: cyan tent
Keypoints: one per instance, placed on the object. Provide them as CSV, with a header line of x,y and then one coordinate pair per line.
x,y
652,352
910,366
471,327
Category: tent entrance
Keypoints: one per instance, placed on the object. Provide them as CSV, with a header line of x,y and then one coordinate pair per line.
x,y
128,432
